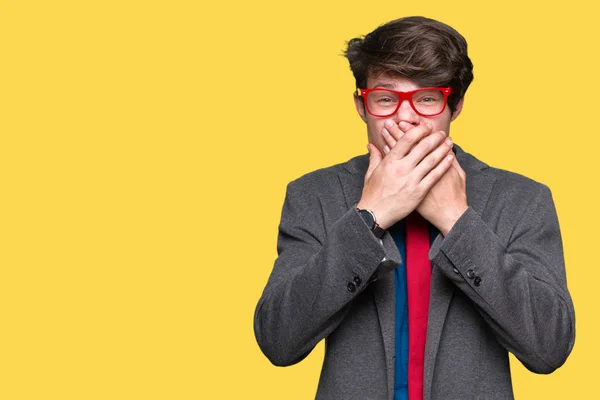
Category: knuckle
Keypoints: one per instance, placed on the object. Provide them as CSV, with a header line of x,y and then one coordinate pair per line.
x,y
386,162
394,132
428,144
435,175
401,169
413,136
433,141
438,138
418,191
429,163
441,153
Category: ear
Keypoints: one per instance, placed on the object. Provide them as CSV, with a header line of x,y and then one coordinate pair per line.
x,y
458,109
360,106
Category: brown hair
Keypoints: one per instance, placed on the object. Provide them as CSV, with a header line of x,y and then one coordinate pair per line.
x,y
423,50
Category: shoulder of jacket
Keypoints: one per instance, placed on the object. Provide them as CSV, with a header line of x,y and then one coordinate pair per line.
x,y
509,180
327,177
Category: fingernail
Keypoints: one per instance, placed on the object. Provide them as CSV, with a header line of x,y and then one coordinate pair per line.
x,y
428,124
403,125
449,142
389,123
385,131
450,157
386,149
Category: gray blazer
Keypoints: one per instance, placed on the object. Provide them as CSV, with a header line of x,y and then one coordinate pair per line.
x,y
498,285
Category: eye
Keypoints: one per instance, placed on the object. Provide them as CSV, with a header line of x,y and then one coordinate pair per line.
x,y
427,99
383,97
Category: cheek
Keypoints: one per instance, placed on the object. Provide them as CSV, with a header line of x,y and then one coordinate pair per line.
x,y
442,123
374,128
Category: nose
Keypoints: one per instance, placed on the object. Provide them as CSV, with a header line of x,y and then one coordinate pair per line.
x,y
406,113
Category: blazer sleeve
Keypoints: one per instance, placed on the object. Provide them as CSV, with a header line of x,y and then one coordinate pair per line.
x,y
318,272
518,285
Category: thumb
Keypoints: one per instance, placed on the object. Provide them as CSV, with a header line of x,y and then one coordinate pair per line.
x,y
374,160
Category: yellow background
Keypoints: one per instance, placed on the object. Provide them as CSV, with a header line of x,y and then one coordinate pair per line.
x,y
145,149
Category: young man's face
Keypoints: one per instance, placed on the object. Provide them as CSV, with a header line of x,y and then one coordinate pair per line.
x,y
440,122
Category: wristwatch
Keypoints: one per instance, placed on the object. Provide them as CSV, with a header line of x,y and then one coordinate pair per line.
x,y
369,218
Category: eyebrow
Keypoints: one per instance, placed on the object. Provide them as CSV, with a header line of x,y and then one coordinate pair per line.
x,y
384,85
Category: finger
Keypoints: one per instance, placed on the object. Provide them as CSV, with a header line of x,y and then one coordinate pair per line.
x,y
389,139
374,160
435,174
418,153
405,126
409,139
433,158
393,129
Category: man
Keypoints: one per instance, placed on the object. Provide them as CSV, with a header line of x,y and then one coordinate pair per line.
x,y
402,320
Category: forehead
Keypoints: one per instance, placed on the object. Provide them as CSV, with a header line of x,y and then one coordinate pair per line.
x,y
387,80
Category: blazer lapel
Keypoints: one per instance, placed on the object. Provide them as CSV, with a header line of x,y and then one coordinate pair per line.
x,y
479,187
383,288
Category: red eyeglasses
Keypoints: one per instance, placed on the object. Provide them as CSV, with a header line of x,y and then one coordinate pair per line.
x,y
427,102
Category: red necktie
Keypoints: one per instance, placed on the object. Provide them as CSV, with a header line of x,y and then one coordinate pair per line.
x,y
418,277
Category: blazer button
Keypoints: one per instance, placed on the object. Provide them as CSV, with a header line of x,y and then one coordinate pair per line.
x,y
477,281
470,274
357,280
351,288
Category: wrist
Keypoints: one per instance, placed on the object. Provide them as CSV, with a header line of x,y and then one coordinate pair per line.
x,y
370,220
452,215
379,210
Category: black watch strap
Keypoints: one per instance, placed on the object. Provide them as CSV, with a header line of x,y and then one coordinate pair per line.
x,y
371,221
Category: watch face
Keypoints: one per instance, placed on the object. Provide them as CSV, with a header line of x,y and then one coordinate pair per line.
x,y
368,217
